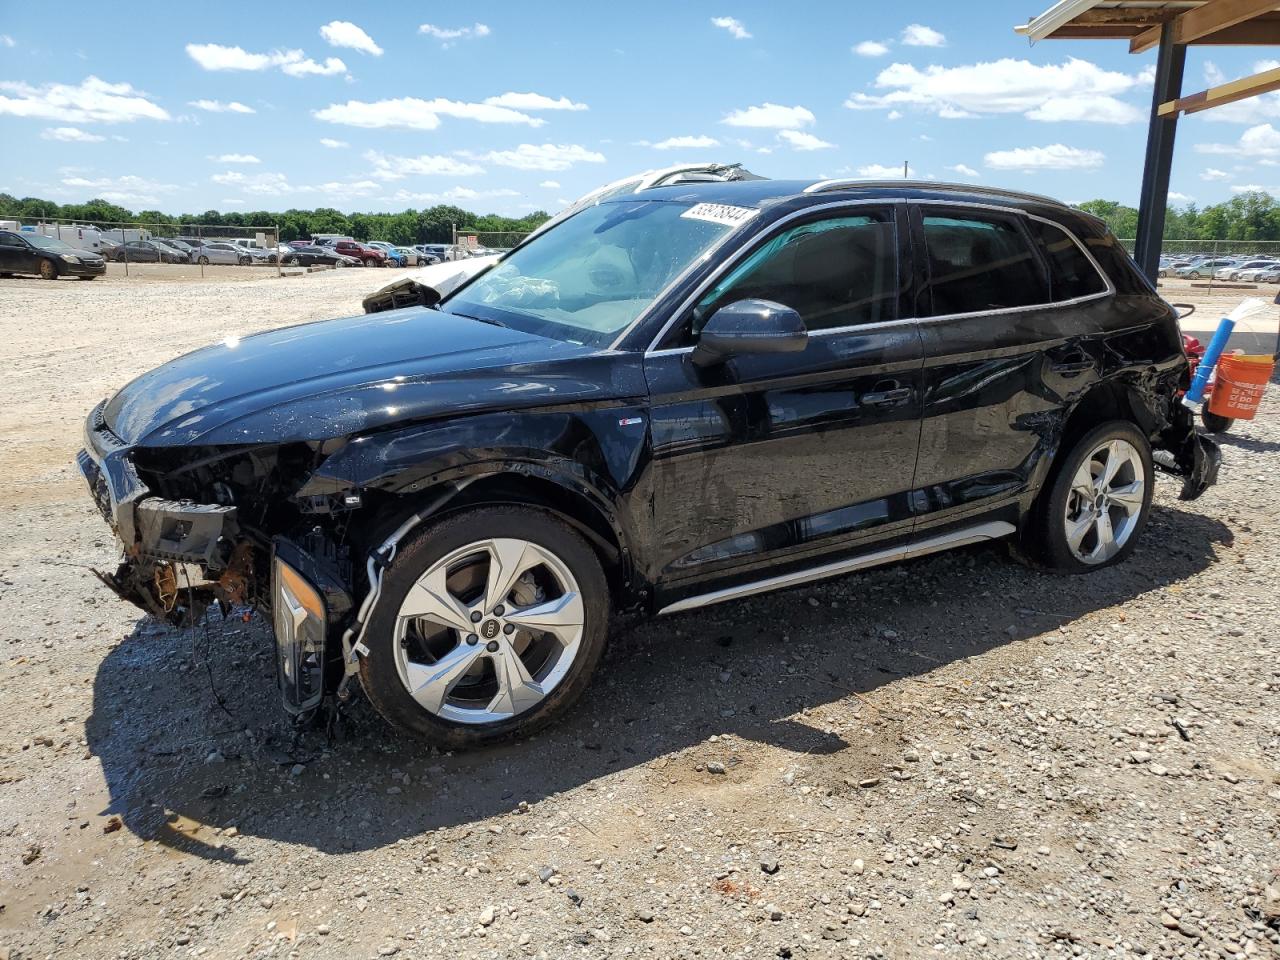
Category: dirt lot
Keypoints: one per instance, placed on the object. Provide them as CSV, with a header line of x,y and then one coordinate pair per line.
x,y
956,757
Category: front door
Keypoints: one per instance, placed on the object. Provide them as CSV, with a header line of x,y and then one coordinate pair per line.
x,y
775,460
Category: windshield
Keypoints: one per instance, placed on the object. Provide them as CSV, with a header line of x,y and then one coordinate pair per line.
x,y
46,243
592,275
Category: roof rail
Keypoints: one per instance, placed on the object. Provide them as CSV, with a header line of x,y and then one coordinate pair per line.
x,y
825,186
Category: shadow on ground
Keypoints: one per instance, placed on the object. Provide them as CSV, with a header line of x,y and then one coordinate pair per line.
x,y
165,699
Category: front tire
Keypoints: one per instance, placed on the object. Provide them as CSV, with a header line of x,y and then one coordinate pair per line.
x,y
48,270
490,624
246,261
1096,507
370,262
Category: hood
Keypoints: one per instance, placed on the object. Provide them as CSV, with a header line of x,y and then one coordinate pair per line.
x,y
334,378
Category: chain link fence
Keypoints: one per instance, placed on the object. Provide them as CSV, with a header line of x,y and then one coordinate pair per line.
x,y
1177,248
161,249
467,242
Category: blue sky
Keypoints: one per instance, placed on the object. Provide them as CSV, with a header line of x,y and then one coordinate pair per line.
x,y
511,107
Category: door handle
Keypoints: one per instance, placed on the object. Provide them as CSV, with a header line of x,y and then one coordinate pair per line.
x,y
887,398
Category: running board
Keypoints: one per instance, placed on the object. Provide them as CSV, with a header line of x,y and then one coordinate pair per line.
x,y
957,538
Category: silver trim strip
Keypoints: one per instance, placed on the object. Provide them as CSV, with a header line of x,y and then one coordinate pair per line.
x,y
991,530
852,183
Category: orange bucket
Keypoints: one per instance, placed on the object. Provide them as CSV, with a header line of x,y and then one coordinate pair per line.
x,y
1239,383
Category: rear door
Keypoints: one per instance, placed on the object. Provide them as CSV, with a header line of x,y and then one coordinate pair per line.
x,y
14,254
775,460
1005,350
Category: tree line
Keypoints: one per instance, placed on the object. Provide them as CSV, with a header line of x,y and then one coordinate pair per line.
x,y
1249,216
432,225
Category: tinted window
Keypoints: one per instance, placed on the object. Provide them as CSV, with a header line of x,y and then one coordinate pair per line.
x,y
1071,274
9,240
978,263
835,273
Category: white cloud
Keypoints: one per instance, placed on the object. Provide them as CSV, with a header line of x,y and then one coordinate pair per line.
x,y
1253,188
546,156
550,184
448,37
454,195
1056,156
533,101
7,41
1262,141
235,158
344,33
387,167
295,63
1213,173
770,115
1177,197
893,115
92,101
122,190
878,171
412,113
964,170
1074,90
256,183
803,141
735,27
918,35
685,143
333,144
69,135
217,106
871,48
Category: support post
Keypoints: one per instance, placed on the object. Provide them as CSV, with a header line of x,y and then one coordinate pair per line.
x,y
1159,161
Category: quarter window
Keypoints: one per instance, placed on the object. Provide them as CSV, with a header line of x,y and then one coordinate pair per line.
x,y
979,263
1071,275
838,272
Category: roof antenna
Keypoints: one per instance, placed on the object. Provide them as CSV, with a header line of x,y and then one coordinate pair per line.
x,y
906,167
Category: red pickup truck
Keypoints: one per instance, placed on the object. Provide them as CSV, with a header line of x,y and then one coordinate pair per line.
x,y
371,256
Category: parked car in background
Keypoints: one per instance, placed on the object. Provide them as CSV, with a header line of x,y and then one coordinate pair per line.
x,y
182,245
1203,269
310,256
46,257
369,256
426,254
224,252
412,257
1269,273
668,399
177,254
151,251
1232,271
441,251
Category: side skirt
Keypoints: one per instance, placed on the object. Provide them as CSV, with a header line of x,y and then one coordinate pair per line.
x,y
992,530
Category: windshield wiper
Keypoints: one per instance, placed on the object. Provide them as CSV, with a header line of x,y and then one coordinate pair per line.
x,y
467,316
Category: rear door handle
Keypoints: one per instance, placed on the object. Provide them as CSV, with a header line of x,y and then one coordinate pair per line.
x,y
887,398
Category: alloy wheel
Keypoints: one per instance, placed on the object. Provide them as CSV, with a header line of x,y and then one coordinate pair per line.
x,y
489,631
1105,502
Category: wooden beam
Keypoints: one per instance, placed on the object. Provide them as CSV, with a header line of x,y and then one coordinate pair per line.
x,y
1219,96
1204,20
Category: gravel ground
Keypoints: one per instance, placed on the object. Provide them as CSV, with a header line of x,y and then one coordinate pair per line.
x,y
956,756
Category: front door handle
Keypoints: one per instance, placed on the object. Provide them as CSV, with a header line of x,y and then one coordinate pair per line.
x,y
887,398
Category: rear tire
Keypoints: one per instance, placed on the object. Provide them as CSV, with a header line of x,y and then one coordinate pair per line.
x,y
246,261
370,262
549,569
1095,508
48,270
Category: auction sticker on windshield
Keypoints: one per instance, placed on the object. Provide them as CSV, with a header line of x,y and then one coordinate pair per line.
x,y
722,213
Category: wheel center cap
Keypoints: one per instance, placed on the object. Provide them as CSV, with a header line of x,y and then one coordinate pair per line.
x,y
490,629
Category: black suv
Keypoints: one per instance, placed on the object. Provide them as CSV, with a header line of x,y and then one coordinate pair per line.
x,y
673,397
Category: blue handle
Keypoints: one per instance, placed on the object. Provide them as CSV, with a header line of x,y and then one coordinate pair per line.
x,y
1210,360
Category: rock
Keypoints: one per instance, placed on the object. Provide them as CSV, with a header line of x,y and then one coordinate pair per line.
x,y
961,883
1139,756
911,756
770,865
523,939
487,916
869,783
715,766
858,867
388,950
1169,921
215,757
546,873
644,916
1158,771
323,930
574,896
297,770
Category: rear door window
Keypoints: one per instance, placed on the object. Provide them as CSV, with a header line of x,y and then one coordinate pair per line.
x,y
1071,274
980,262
